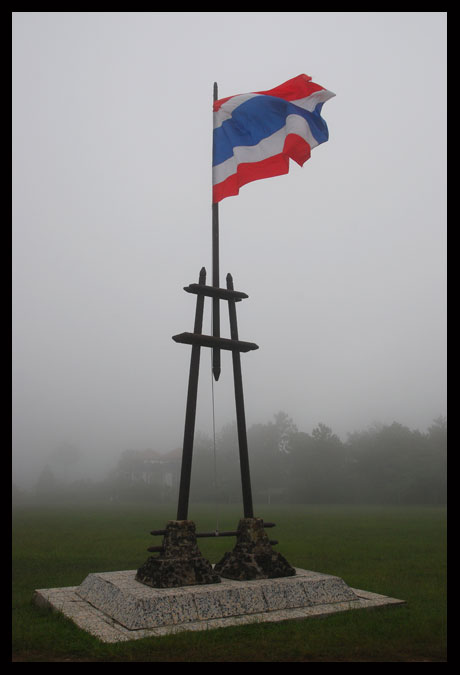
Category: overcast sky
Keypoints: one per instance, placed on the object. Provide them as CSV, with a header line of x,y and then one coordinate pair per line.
x,y
344,260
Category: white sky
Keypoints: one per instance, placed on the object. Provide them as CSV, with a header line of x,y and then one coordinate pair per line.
x,y
344,260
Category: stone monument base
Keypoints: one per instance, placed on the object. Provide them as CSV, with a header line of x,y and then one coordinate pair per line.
x,y
179,562
253,556
115,607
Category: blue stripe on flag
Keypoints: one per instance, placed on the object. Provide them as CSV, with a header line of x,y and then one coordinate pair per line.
x,y
258,118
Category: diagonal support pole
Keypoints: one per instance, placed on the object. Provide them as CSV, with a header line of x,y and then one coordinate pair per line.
x,y
240,414
190,413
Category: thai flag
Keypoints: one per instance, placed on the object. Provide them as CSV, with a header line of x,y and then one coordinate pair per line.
x,y
255,134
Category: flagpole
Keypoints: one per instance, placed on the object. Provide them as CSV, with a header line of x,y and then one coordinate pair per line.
x,y
215,278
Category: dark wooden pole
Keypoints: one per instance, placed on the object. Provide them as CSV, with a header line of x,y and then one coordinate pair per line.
x,y
215,278
240,414
190,413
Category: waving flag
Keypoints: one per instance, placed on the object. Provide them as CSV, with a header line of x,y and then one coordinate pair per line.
x,y
255,134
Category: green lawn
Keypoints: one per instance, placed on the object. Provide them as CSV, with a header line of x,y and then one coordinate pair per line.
x,y
396,551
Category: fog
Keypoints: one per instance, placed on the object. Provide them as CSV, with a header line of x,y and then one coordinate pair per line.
x,y
344,260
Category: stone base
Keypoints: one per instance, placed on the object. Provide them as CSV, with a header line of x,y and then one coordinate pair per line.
x,y
115,607
253,556
180,562
176,572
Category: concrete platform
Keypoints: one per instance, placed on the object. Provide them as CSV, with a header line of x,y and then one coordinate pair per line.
x,y
115,607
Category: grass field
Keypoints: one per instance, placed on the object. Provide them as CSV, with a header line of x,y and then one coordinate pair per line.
x,y
395,551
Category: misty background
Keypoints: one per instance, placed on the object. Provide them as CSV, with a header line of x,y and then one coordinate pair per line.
x,y
344,260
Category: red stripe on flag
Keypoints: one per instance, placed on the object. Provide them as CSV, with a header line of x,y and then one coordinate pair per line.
x,y
294,146
296,88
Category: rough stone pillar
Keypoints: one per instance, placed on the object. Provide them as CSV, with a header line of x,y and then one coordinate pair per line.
x,y
253,556
180,563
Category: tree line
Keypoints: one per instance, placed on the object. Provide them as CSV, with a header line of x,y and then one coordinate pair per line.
x,y
388,464
384,464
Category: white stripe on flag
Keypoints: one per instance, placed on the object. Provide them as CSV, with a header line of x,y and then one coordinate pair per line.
x,y
308,103
225,111
267,147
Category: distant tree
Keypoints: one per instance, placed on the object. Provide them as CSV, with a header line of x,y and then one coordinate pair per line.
x,y
285,428
317,467
436,461
394,464
322,434
437,434
382,461
269,448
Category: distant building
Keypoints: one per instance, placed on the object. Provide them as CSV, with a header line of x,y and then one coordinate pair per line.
x,y
150,467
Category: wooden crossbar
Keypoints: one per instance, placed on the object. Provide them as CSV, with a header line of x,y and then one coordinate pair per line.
x,y
211,341
213,292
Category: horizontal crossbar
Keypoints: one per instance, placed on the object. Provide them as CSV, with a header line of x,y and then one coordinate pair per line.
x,y
160,549
211,341
215,292
230,533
